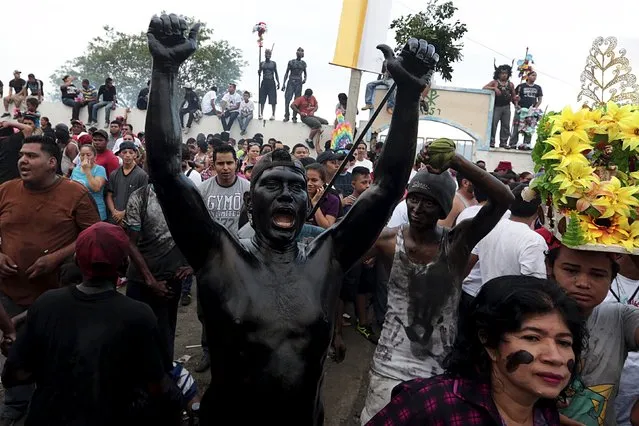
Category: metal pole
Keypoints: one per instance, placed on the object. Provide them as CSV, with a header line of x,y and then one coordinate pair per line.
x,y
362,133
259,79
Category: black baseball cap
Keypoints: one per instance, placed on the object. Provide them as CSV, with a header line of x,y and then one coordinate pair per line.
x,y
127,145
102,133
327,156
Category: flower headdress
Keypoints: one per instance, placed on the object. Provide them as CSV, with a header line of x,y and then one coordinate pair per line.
x,y
590,182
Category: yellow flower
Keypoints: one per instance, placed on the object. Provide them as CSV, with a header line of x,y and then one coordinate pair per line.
x,y
567,151
570,124
629,131
615,112
574,179
632,229
604,231
617,199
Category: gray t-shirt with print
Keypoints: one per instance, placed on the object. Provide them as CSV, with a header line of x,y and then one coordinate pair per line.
x,y
225,203
591,396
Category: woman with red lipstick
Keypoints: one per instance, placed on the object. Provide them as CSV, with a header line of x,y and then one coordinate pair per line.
x,y
511,360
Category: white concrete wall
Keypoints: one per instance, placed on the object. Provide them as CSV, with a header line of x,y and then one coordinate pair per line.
x,y
290,133
521,160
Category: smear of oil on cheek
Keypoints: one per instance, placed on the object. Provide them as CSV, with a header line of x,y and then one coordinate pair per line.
x,y
571,364
515,359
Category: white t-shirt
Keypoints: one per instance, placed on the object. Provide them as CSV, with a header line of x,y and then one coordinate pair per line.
x,y
364,163
628,389
511,248
118,142
400,215
472,283
206,101
246,108
233,100
194,175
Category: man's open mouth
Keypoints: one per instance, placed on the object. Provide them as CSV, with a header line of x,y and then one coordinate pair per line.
x,y
284,218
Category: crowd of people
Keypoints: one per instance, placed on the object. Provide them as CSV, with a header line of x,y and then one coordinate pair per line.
x,y
111,186
479,315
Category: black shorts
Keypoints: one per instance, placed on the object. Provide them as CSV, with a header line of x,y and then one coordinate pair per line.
x,y
268,89
314,122
360,279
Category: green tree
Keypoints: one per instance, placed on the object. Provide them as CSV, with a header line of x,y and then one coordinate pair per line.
x,y
435,25
126,59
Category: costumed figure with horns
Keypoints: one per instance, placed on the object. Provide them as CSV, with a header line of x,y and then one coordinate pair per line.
x,y
504,94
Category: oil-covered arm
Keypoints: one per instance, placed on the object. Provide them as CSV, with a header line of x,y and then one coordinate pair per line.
x,y
191,226
359,229
499,199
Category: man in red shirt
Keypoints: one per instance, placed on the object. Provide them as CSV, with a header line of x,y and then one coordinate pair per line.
x,y
306,106
105,157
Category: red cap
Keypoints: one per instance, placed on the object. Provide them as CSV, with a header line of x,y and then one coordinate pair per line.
x,y
100,250
551,241
85,139
504,165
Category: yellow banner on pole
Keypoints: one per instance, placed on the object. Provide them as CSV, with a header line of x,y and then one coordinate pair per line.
x,y
363,25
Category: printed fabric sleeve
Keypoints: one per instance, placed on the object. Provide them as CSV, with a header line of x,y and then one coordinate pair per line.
x,y
630,324
132,218
86,212
404,409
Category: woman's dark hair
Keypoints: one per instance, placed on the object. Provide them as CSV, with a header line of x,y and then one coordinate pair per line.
x,y
501,307
343,99
319,168
202,146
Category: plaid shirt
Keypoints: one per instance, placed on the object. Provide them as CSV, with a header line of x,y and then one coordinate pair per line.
x,y
450,401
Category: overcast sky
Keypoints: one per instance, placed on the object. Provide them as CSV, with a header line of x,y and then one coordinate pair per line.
x,y
558,33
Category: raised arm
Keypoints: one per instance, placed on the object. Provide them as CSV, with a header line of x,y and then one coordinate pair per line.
x,y
499,199
359,229
191,226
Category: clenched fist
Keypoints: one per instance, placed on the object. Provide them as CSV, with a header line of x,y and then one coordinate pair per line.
x,y
168,42
414,66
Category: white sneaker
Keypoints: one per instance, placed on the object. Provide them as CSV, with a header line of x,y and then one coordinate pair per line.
x,y
272,118
187,130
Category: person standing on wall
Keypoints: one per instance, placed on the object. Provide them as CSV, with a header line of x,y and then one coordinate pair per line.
x,y
527,95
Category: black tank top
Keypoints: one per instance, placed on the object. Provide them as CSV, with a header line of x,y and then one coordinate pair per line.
x,y
506,94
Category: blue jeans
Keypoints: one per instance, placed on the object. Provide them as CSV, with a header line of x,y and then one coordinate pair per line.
x,y
370,91
244,122
107,112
